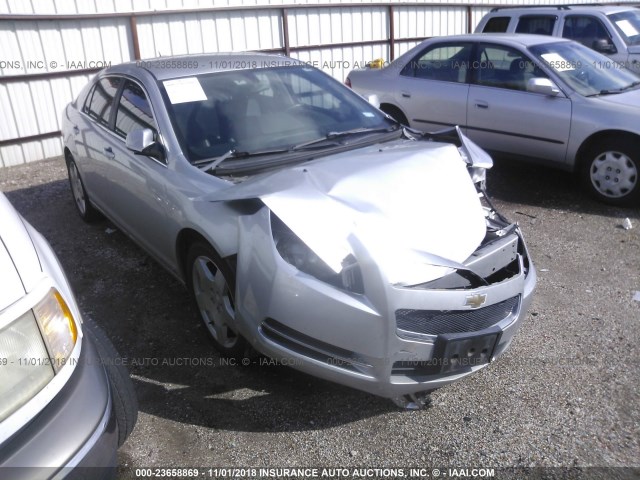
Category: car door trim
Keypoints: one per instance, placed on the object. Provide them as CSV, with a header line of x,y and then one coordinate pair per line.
x,y
519,135
488,130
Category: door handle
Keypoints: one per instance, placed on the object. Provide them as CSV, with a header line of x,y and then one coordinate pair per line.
x,y
108,152
481,104
405,94
76,130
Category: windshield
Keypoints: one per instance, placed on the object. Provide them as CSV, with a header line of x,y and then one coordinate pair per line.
x,y
628,24
586,71
263,110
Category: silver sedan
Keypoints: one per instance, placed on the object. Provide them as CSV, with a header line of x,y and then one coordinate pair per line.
x,y
527,97
306,223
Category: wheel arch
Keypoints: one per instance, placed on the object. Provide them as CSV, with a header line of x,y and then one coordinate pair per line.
x,y
187,237
594,139
67,154
393,110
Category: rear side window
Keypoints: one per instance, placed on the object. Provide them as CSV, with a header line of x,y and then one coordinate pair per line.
x,y
497,25
538,24
100,101
134,110
447,63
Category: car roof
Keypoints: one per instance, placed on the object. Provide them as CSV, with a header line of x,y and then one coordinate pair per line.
x,y
512,39
163,68
606,9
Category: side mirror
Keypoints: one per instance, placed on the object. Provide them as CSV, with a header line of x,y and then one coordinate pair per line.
x,y
543,86
603,45
142,142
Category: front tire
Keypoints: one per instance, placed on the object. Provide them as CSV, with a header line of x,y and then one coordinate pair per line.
x,y
212,284
610,171
123,394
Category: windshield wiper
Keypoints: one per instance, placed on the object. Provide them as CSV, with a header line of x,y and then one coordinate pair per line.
x,y
630,86
617,90
334,135
211,165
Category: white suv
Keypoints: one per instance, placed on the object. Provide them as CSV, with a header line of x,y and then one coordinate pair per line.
x,y
611,30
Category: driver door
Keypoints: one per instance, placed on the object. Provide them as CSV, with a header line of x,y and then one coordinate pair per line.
x,y
137,183
505,118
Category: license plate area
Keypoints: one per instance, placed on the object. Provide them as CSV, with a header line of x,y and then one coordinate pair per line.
x,y
456,353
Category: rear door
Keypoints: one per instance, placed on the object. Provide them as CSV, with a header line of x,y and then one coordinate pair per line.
x,y
537,24
432,88
504,117
93,136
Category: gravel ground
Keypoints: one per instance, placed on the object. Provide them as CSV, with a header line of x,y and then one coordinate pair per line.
x,y
566,394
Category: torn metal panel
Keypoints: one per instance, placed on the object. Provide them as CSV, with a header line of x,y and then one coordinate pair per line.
x,y
392,197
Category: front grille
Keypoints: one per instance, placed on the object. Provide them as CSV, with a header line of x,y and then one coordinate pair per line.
x,y
436,322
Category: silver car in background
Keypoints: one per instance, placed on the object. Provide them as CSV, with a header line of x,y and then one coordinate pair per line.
x,y
305,222
530,97
613,30
66,402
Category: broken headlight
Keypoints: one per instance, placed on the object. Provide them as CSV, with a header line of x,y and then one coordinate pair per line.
x,y
295,252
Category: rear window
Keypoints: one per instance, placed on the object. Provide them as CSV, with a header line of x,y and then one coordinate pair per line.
x,y
537,24
497,25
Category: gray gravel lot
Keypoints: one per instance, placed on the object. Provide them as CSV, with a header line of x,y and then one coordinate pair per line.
x,y
566,394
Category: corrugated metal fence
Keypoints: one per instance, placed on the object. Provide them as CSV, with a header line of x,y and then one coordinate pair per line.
x,y
50,49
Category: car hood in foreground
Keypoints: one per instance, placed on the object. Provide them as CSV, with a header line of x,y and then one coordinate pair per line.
x,y
411,205
19,264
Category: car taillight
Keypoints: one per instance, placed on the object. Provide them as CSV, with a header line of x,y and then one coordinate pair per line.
x,y
347,82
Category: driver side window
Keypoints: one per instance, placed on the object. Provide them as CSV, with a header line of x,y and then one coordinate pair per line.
x,y
586,30
134,110
505,67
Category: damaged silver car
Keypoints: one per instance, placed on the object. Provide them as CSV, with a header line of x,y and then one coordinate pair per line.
x,y
307,223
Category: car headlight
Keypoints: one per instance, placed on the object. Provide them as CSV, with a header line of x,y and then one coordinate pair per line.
x,y
33,349
58,327
295,252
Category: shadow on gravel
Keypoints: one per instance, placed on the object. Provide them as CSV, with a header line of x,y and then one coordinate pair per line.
x,y
544,187
150,318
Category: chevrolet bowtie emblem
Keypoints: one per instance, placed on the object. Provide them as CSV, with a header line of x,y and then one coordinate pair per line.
x,y
475,301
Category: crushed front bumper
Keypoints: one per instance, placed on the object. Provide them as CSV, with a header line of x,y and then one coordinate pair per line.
x,y
391,341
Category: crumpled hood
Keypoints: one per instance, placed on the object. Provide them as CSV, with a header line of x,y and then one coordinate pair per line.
x,y
19,264
410,205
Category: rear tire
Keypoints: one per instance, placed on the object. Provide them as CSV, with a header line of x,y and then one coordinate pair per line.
x,y
80,198
212,284
123,393
610,171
